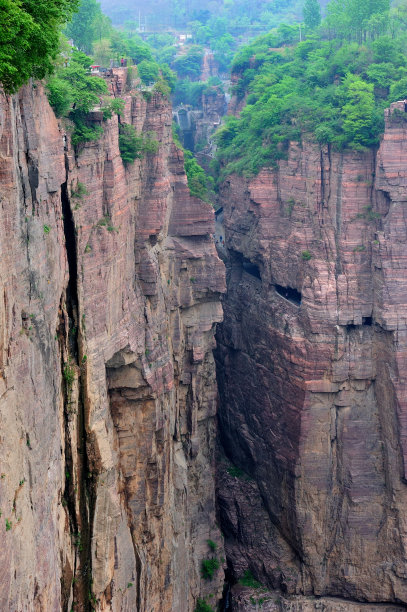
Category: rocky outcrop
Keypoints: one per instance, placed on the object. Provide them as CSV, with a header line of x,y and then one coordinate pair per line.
x,y
311,366
110,288
196,127
210,67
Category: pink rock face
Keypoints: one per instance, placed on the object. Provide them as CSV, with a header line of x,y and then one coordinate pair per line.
x,y
110,287
210,67
311,356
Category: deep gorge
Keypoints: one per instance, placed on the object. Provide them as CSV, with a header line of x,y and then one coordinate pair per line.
x,y
125,465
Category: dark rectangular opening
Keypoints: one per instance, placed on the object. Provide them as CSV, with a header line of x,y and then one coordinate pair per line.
x,y
251,268
290,294
367,321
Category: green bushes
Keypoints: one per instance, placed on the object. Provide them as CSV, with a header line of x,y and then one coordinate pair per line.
x,y
249,580
202,606
200,184
73,92
189,64
29,38
212,545
209,567
149,71
135,146
331,90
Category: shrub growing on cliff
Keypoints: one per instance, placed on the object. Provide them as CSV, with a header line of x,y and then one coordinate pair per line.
x,y
149,71
135,146
249,580
202,606
208,568
29,38
200,184
73,92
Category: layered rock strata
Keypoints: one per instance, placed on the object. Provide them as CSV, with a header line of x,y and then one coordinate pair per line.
x,y
110,288
312,375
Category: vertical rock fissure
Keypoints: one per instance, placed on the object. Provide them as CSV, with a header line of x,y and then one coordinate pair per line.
x,y
78,491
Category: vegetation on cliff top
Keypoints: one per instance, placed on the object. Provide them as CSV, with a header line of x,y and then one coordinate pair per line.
x,y
73,92
29,38
333,86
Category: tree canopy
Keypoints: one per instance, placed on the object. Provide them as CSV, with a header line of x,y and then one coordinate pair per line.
x,y
332,87
29,38
312,13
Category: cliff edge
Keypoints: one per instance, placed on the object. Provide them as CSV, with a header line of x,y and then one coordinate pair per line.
x,y
110,287
311,368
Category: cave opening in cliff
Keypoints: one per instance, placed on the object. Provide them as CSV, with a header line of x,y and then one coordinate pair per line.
x,y
366,322
251,268
290,294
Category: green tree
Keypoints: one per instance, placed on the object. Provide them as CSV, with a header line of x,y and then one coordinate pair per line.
x,y
102,52
134,146
148,71
83,27
189,65
351,18
312,13
358,112
29,38
73,92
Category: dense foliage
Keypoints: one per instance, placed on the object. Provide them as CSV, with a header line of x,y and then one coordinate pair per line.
x,y
93,33
200,184
332,87
219,25
202,606
29,38
135,146
191,92
73,93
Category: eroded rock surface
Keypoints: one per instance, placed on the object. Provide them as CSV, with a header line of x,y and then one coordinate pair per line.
x,y
110,286
312,362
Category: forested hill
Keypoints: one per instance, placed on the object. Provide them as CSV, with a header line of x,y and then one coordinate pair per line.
x,y
241,15
332,87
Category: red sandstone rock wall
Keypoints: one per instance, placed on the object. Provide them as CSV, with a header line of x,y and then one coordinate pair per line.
x,y
107,382
312,487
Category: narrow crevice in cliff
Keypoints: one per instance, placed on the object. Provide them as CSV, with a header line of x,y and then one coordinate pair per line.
x,y
78,481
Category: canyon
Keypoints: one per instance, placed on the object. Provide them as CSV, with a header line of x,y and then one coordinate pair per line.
x,y
124,463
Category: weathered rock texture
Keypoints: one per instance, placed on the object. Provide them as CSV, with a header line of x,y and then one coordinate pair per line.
x,y
110,289
196,127
312,361
210,67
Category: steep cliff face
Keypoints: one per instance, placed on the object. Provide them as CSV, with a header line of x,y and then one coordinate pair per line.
x,y
110,288
311,364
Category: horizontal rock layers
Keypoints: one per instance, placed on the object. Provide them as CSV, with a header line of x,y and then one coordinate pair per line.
x,y
312,374
110,289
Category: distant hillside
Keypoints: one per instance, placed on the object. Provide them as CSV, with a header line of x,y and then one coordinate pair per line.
x,y
177,13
